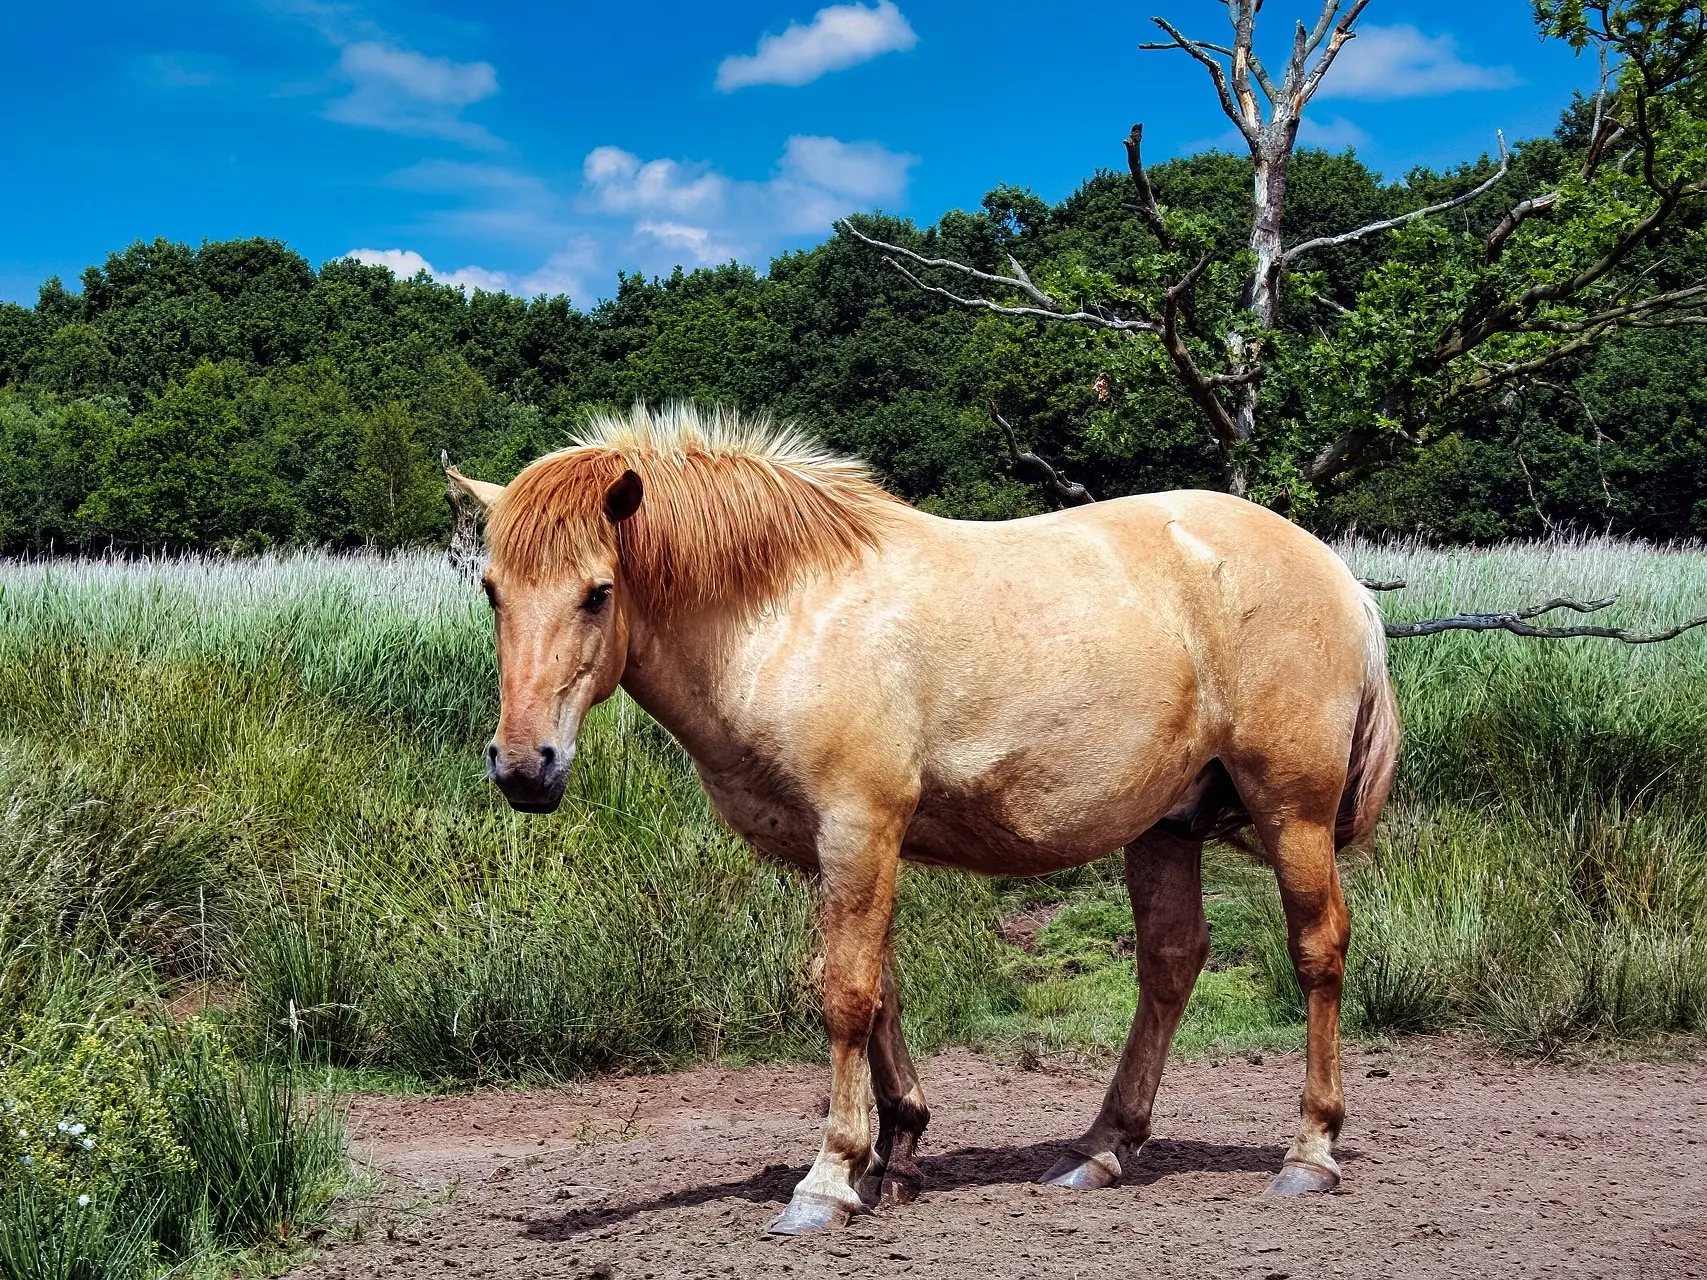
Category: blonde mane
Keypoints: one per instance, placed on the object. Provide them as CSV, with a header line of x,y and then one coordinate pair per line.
x,y
734,510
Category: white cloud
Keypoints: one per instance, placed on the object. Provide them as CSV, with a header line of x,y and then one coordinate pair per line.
x,y
1401,62
1334,134
617,182
406,264
647,215
839,36
709,217
403,91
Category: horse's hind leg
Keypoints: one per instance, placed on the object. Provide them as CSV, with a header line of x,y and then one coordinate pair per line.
x,y
1164,880
901,1111
1318,929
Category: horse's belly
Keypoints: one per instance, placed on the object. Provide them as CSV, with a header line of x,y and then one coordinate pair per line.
x,y
995,840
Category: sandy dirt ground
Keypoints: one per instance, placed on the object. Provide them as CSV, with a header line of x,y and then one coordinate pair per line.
x,y
1455,1165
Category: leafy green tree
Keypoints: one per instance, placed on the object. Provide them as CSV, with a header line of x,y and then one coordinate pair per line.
x,y
395,490
1299,387
184,474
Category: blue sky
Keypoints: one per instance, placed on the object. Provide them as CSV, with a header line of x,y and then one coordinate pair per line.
x,y
542,146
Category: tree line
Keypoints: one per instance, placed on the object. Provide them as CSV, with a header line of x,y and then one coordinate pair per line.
x,y
231,396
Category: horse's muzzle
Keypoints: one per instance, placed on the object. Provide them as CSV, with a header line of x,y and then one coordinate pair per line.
x,y
533,784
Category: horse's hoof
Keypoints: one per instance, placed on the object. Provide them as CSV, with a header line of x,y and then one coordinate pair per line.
x,y
1299,1179
808,1212
901,1186
1083,1173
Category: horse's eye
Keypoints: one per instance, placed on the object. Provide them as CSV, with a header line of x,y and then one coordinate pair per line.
x,y
596,598
491,593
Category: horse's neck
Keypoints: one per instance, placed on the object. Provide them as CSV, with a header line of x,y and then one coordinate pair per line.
x,y
681,676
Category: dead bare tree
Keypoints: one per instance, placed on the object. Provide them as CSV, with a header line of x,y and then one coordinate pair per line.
x,y
1267,112
463,553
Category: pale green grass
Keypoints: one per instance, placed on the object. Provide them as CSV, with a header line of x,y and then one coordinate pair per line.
x,y
263,778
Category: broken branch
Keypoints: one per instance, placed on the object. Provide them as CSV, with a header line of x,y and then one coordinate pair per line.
x,y
1066,490
1516,623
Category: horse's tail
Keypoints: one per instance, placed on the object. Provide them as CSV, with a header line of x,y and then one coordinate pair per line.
x,y
1374,742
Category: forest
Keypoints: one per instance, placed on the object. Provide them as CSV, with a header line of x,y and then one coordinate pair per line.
x,y
232,397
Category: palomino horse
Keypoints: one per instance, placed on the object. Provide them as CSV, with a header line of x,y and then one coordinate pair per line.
x,y
859,682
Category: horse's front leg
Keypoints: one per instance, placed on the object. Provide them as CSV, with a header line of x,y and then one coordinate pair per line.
x,y
857,859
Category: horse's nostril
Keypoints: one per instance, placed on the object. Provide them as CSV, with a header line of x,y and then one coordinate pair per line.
x,y
492,752
547,754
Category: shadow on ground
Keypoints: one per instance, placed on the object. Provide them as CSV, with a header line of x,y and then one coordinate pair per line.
x,y
951,1171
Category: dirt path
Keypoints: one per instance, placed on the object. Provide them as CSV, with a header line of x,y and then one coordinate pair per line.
x,y
1455,1166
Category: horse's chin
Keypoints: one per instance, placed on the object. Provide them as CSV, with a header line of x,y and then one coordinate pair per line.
x,y
536,806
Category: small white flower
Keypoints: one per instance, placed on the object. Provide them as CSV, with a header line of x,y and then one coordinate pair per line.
x,y
23,1133
88,1144
26,1160
78,1129
63,1127
83,1201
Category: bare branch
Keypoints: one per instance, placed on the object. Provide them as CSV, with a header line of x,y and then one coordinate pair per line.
x,y
1049,310
1198,386
1067,490
1022,282
1217,73
1517,623
1342,33
1658,302
1515,217
1493,374
1294,65
1035,313
1244,15
1148,209
1387,224
1242,378
1341,455
1323,23
1605,130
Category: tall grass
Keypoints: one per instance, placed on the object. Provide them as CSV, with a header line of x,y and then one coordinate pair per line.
x,y
1543,873
260,782
280,762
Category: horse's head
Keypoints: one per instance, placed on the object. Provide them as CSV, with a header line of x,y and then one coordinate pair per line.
x,y
562,634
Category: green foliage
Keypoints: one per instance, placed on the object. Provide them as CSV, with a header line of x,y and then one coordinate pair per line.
x,y
144,1142
91,1122
229,396
44,1236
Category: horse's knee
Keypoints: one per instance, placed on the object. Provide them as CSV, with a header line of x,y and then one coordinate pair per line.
x,y
1319,948
1168,971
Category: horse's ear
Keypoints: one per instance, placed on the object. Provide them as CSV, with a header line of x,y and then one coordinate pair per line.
x,y
481,491
622,499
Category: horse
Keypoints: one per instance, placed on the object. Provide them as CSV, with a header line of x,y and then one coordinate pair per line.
x,y
859,682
